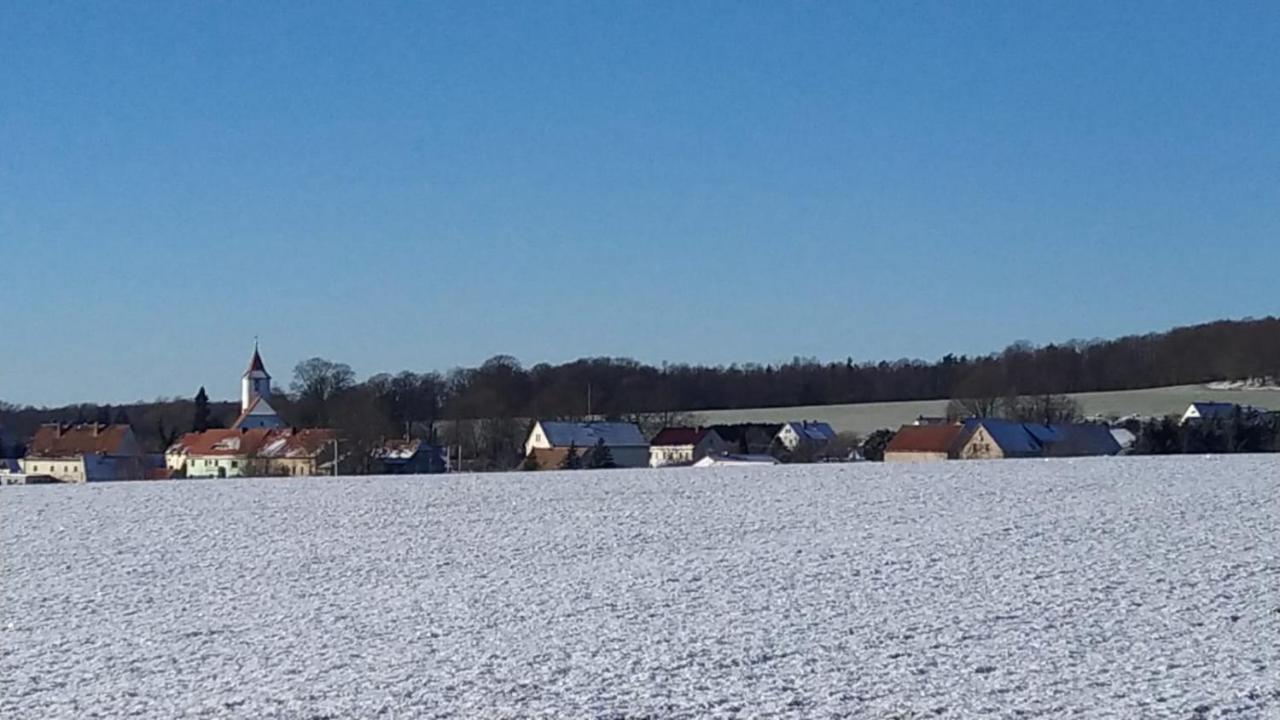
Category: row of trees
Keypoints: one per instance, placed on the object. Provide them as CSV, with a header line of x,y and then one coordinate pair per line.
x,y
1242,432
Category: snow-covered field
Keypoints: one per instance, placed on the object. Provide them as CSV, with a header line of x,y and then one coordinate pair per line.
x,y
1124,588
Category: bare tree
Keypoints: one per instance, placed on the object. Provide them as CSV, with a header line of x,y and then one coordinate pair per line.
x,y
316,382
978,393
651,423
1047,409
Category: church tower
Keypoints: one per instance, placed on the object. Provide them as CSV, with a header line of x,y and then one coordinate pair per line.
x,y
256,383
255,396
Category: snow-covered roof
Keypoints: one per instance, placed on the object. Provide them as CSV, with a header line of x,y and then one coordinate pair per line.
x,y
1123,437
397,449
731,460
259,408
587,434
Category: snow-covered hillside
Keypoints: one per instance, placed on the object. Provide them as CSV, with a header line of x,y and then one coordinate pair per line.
x,y
1122,588
866,418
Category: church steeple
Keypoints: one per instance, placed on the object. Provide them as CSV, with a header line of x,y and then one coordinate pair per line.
x,y
256,383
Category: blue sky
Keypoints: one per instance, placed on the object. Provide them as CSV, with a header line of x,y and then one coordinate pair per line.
x,y
424,185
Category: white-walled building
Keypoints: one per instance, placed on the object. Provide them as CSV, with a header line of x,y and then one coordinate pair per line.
x,y
260,452
812,434
625,441
685,446
84,453
1216,411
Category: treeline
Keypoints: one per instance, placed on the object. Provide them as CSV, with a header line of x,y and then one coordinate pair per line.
x,y
1242,432
497,397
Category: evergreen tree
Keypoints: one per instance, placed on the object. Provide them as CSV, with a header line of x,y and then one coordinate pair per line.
x,y
167,437
873,447
600,457
200,422
1158,437
122,417
571,460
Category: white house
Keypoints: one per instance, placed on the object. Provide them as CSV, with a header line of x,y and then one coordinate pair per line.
x,y
255,398
625,441
1214,411
219,453
260,452
813,434
685,445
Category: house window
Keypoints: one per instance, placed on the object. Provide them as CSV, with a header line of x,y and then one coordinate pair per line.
x,y
235,464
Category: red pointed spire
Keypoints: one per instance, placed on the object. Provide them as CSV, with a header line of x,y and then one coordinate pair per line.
x,y
256,362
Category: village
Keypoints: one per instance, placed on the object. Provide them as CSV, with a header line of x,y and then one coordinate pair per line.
x,y
259,443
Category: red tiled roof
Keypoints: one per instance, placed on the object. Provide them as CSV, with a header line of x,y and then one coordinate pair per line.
x,y
306,443
228,442
679,436
258,442
925,438
61,441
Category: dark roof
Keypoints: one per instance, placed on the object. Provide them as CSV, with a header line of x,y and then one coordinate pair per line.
x,y
586,434
925,438
737,431
1013,438
1085,439
679,436
63,441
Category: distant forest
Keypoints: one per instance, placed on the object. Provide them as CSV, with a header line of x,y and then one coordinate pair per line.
x,y
505,392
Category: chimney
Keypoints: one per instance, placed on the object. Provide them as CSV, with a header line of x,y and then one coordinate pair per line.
x,y
95,429
58,428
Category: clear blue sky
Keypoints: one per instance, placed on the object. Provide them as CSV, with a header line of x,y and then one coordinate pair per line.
x,y
423,185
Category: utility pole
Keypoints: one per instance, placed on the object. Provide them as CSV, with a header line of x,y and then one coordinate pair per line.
x,y
335,457
588,401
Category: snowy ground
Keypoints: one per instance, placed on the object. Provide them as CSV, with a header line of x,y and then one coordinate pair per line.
x,y
1093,588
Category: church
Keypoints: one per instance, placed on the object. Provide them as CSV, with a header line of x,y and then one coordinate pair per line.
x,y
258,444
255,398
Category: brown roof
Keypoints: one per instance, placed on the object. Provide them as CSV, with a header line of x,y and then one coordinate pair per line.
x,y
258,442
307,443
226,442
925,438
550,458
64,441
679,436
